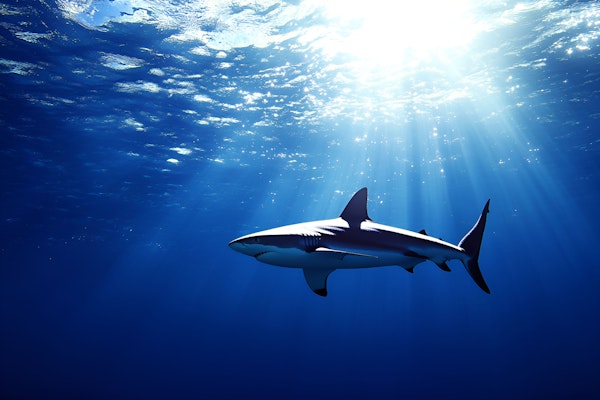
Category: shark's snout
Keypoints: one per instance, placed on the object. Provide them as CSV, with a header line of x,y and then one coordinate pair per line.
x,y
246,245
237,245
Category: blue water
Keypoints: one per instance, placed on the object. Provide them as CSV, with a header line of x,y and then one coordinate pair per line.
x,y
138,138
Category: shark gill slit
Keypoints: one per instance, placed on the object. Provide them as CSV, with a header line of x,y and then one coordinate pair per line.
x,y
311,242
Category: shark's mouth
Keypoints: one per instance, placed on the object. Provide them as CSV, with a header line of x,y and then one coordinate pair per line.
x,y
262,253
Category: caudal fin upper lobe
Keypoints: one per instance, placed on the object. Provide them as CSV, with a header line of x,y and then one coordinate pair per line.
x,y
471,243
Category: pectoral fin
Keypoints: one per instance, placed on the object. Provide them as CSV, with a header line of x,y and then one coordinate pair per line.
x,y
317,279
341,253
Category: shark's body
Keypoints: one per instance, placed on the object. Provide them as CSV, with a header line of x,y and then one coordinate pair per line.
x,y
353,240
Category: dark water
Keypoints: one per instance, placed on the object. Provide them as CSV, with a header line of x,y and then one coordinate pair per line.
x,y
139,138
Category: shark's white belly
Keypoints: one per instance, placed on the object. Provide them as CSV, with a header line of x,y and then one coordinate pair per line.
x,y
295,258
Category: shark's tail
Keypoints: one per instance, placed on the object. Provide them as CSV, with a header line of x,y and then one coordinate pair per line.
x,y
471,243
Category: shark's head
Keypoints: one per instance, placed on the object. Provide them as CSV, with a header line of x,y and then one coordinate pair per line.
x,y
281,242
266,246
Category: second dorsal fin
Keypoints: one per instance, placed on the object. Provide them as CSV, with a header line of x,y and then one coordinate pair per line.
x,y
356,209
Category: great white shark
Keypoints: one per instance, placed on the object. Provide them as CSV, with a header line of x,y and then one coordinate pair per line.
x,y
353,240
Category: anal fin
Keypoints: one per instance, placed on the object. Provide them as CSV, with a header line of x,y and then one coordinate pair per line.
x,y
443,266
410,264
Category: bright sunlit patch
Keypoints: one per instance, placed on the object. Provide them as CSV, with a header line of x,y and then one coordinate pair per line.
x,y
120,62
16,67
202,98
386,32
181,150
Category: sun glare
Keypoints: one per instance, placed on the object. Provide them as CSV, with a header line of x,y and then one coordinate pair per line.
x,y
399,33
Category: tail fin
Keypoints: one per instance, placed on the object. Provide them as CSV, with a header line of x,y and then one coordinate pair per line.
x,y
471,243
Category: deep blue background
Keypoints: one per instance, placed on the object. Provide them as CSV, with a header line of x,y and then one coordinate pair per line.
x,y
116,280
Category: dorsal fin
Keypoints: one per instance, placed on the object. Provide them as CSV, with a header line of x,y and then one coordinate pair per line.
x,y
356,209
422,232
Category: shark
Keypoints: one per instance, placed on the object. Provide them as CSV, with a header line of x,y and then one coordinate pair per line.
x,y
353,240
